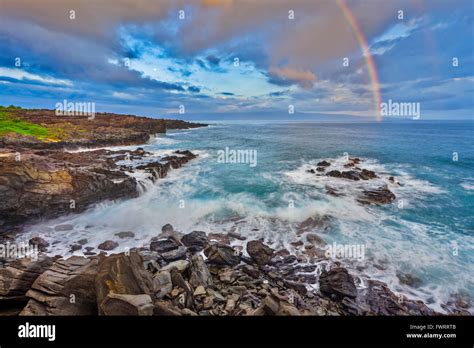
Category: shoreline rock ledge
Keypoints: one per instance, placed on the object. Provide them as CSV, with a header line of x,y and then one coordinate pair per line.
x,y
224,282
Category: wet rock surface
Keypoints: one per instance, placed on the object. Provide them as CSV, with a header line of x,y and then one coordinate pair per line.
x,y
379,195
259,252
223,282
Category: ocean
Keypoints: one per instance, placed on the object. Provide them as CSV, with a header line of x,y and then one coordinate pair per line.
x,y
427,233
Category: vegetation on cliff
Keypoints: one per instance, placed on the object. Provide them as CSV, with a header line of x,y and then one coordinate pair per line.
x,y
10,124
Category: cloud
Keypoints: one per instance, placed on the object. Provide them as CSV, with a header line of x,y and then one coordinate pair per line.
x,y
288,76
18,74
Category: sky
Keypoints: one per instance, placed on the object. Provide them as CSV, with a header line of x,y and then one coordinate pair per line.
x,y
240,59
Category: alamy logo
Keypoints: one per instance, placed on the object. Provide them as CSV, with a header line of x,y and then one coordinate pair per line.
x,y
37,331
237,156
392,108
18,251
75,109
345,251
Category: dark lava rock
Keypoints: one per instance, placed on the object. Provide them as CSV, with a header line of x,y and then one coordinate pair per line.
x,y
381,195
39,242
126,234
259,252
199,273
311,171
223,255
167,228
378,299
195,241
174,254
164,245
82,241
324,164
320,169
367,174
108,245
321,223
75,247
355,160
334,173
351,175
409,279
337,283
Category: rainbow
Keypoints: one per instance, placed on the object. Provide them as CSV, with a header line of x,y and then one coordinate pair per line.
x,y
360,37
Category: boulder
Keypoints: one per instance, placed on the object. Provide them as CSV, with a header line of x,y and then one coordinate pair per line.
x,y
122,274
17,278
227,275
195,240
223,255
75,247
367,174
179,282
108,245
175,254
337,283
164,245
323,164
165,308
39,242
162,284
66,288
180,265
259,252
381,195
127,305
199,273
167,229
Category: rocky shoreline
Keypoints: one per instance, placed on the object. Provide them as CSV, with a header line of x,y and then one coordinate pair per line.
x,y
190,274
45,178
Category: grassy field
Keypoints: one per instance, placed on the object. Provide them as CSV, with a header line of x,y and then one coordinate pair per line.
x,y
9,124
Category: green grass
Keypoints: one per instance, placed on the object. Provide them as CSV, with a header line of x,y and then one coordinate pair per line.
x,y
9,124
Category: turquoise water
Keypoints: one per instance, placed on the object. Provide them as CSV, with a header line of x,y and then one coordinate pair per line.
x,y
428,232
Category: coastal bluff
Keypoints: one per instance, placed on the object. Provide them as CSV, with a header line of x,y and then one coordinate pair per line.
x,y
60,132
53,165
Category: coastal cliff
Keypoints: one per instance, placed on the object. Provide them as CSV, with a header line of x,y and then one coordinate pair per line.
x,y
41,177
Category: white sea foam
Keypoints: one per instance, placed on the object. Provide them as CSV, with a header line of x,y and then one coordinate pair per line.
x,y
468,186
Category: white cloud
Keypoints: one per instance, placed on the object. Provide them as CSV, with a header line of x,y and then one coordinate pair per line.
x,y
19,74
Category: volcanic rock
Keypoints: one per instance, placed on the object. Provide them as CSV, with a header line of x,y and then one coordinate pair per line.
x,y
108,245
66,288
381,195
195,240
259,252
39,242
221,254
122,274
164,245
127,305
337,283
